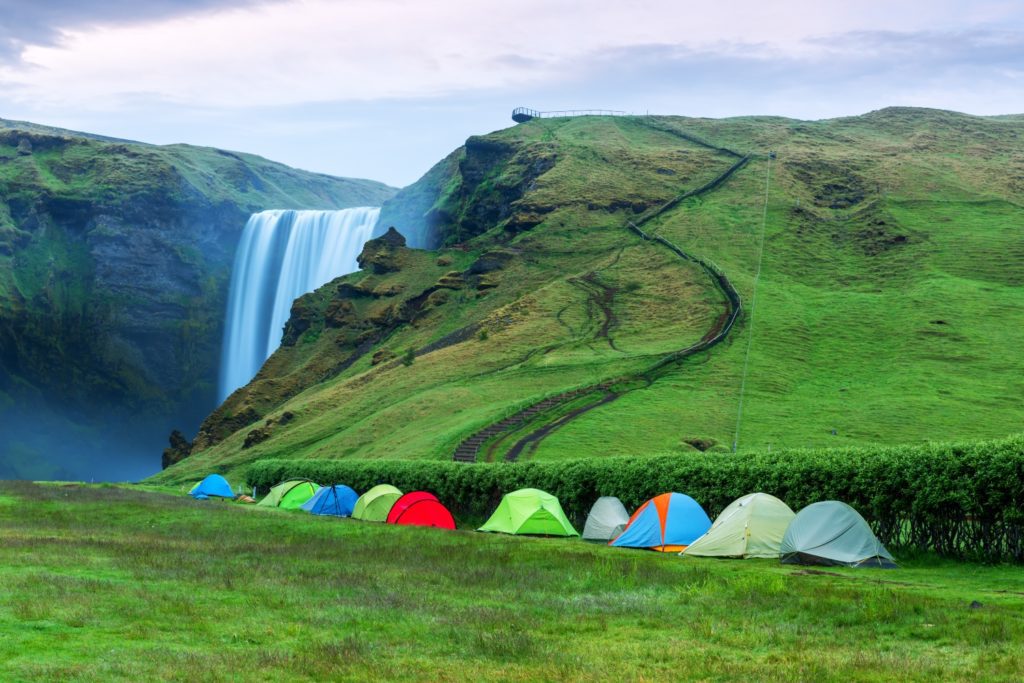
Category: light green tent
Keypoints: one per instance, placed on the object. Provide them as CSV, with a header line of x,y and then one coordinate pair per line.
x,y
751,526
529,511
374,505
290,494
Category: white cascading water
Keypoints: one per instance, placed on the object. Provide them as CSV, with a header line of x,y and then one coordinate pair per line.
x,y
281,256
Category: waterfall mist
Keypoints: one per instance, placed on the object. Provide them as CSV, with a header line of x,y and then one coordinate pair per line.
x,y
281,256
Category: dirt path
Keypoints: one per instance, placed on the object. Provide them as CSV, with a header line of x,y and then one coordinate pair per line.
x,y
602,297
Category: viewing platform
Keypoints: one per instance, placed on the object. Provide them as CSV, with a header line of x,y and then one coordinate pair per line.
x,y
524,114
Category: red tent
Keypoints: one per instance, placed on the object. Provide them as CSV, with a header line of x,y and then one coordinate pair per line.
x,y
420,508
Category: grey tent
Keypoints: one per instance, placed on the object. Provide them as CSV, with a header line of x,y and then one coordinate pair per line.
x,y
833,533
606,520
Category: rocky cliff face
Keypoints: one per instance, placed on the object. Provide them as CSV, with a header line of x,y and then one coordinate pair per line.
x,y
476,188
114,263
329,330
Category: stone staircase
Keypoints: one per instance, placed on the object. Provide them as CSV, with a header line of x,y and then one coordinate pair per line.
x,y
469,448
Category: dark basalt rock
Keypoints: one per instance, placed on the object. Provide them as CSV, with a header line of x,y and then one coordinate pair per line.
x,y
490,262
381,356
381,255
353,291
180,449
339,312
304,315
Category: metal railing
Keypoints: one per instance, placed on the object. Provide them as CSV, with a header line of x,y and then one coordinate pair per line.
x,y
521,114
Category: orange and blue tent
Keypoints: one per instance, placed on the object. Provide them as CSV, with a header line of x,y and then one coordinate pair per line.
x,y
667,523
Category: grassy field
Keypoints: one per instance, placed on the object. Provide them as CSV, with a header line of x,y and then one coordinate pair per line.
x,y
889,306
104,583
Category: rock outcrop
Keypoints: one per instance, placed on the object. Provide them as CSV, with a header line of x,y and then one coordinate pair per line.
x,y
331,329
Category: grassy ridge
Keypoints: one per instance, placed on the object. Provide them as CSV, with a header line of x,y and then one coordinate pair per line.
x,y
889,307
114,584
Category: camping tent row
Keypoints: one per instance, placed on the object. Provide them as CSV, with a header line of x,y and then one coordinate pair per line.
x,y
383,503
756,525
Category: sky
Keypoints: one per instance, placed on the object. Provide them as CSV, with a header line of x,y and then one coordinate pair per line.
x,y
383,89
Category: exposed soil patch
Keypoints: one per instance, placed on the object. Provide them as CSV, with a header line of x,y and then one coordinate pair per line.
x,y
601,297
869,230
700,444
831,185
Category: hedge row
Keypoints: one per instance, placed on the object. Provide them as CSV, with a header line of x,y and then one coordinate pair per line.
x,y
956,499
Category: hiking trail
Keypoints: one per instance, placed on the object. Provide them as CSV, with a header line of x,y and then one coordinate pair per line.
x,y
601,296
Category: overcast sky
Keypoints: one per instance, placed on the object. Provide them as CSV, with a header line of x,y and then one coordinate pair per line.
x,y
384,88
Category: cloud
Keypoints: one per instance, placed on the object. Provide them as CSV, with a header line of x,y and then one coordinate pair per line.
x,y
845,73
41,22
238,53
382,88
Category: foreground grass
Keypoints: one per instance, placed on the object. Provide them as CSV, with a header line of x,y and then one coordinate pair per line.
x,y
101,583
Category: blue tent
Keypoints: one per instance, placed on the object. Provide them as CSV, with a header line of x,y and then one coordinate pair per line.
x,y
337,500
214,486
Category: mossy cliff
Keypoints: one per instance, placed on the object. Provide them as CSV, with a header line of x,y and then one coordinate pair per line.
x,y
114,263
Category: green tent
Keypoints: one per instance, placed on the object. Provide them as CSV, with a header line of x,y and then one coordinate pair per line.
x,y
529,511
290,494
751,526
374,505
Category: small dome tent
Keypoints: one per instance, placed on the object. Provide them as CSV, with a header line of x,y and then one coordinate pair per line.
x,y
420,508
374,505
214,486
336,500
607,519
529,511
666,523
751,526
833,533
290,495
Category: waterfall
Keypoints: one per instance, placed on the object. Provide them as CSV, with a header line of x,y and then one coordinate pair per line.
x,y
281,256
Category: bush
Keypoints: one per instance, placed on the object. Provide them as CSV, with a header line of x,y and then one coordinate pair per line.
x,y
956,499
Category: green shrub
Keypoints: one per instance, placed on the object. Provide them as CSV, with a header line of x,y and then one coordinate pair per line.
x,y
956,499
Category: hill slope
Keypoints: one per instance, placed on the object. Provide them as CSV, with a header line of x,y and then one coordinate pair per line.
x,y
114,259
885,250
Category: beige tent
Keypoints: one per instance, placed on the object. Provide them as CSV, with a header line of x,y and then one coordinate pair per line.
x,y
752,526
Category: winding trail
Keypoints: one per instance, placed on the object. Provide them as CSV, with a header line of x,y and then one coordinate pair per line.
x,y
495,434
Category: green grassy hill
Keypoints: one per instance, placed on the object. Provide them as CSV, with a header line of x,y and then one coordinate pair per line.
x,y
114,263
889,305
